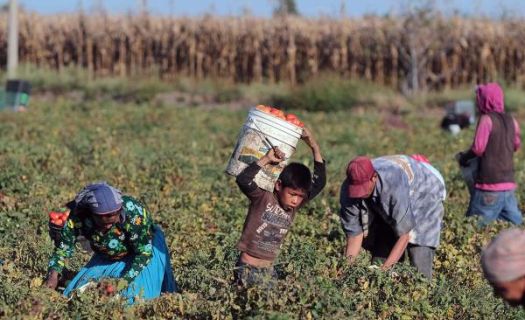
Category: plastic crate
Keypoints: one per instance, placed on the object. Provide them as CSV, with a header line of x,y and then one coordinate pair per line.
x,y
17,93
2,99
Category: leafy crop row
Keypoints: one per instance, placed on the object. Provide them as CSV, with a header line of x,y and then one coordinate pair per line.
x,y
174,159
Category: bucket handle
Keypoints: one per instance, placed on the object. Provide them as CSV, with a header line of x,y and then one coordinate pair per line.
x,y
265,139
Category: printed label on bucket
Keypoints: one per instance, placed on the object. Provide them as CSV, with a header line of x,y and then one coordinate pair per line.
x,y
249,155
254,141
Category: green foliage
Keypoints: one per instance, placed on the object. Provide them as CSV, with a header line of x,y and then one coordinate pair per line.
x,y
514,97
173,159
333,93
76,84
328,92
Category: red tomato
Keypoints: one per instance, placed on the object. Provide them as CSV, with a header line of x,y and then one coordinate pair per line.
x,y
110,289
290,117
54,215
278,113
55,222
297,122
263,108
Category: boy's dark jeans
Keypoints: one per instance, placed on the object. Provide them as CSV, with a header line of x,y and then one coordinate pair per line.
x,y
248,276
382,239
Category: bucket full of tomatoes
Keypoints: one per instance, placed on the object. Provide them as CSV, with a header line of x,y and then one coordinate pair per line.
x,y
265,127
57,221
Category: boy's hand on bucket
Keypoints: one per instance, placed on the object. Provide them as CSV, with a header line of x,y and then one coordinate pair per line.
x,y
273,156
308,138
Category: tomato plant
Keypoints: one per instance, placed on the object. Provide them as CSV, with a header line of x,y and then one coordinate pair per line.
x,y
173,159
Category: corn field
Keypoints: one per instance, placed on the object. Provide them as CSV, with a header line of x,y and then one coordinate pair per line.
x,y
414,52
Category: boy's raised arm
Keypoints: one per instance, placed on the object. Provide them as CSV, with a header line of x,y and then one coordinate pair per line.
x,y
245,178
309,139
319,176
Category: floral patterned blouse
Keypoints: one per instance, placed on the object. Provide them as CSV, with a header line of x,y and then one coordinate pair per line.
x,y
132,235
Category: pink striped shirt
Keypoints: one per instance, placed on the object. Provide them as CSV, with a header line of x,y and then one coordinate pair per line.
x,y
480,144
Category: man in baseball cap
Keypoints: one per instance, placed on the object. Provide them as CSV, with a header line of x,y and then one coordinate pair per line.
x,y
362,177
390,204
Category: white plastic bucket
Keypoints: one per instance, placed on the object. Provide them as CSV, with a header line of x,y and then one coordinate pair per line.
x,y
251,145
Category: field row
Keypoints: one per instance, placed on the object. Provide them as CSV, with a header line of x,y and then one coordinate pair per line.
x,y
173,159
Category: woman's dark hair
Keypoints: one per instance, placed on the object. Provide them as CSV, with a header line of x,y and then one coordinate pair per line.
x,y
296,176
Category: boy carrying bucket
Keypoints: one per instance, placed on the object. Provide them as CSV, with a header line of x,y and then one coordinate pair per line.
x,y
270,214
